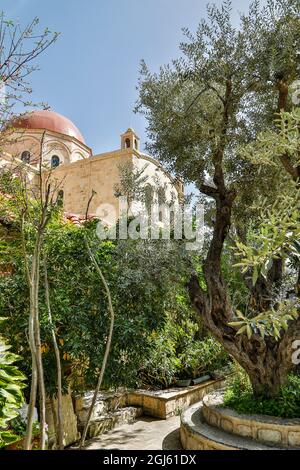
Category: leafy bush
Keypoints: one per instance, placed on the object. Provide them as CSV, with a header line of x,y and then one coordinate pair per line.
x,y
156,336
239,396
202,356
161,365
144,279
19,426
176,352
11,396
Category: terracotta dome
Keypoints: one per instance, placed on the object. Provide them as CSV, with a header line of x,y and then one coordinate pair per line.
x,y
48,120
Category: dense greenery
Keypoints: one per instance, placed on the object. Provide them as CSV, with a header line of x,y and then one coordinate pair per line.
x,y
178,351
156,338
11,393
239,396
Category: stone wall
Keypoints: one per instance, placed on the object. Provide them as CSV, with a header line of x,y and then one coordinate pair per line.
x,y
266,429
101,173
166,403
208,426
70,430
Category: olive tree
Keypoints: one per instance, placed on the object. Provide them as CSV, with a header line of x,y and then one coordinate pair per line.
x,y
203,110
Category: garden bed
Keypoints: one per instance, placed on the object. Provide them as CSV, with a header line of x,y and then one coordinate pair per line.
x,y
262,428
166,403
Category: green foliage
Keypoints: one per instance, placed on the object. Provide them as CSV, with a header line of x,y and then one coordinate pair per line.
x,y
178,351
268,323
274,235
156,337
277,234
19,427
221,99
202,356
11,395
144,278
183,102
239,396
161,365
272,144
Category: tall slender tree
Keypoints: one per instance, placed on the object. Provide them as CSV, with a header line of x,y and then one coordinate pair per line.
x,y
19,49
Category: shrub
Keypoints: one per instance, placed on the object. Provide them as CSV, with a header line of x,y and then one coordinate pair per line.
x,y
144,279
202,356
175,352
161,364
11,396
239,396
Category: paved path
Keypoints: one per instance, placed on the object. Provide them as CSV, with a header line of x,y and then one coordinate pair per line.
x,y
144,434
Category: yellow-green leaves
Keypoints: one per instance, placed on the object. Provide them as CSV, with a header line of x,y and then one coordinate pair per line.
x,y
269,323
272,144
277,235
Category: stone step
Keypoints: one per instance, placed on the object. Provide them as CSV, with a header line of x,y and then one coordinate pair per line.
x,y
112,419
196,434
106,403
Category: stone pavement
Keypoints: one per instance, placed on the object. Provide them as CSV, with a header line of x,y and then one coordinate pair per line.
x,y
145,434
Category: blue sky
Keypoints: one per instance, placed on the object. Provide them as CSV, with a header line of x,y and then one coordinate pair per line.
x,y
90,74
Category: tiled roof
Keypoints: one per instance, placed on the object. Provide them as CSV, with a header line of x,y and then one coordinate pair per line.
x,y
77,219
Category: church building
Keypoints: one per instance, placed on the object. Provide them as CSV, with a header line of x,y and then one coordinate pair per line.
x,y
74,165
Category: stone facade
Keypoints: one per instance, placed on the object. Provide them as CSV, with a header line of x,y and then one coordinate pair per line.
x,y
101,174
74,170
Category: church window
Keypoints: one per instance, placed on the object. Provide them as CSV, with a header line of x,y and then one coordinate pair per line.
x,y
55,161
127,143
60,198
25,157
148,194
135,144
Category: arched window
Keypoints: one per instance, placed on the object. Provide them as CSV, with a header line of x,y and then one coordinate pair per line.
x,y
60,198
135,144
148,195
25,157
161,199
55,161
127,143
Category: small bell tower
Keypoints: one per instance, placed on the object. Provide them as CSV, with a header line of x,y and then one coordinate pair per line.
x,y
130,140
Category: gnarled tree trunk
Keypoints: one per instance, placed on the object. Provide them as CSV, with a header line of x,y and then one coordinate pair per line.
x,y
266,361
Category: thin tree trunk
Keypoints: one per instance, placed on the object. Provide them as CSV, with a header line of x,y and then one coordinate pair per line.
x,y
35,346
59,427
33,389
108,344
32,345
41,382
33,277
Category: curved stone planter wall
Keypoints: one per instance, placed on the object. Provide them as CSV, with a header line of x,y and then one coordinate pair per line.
x,y
204,426
193,436
266,429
